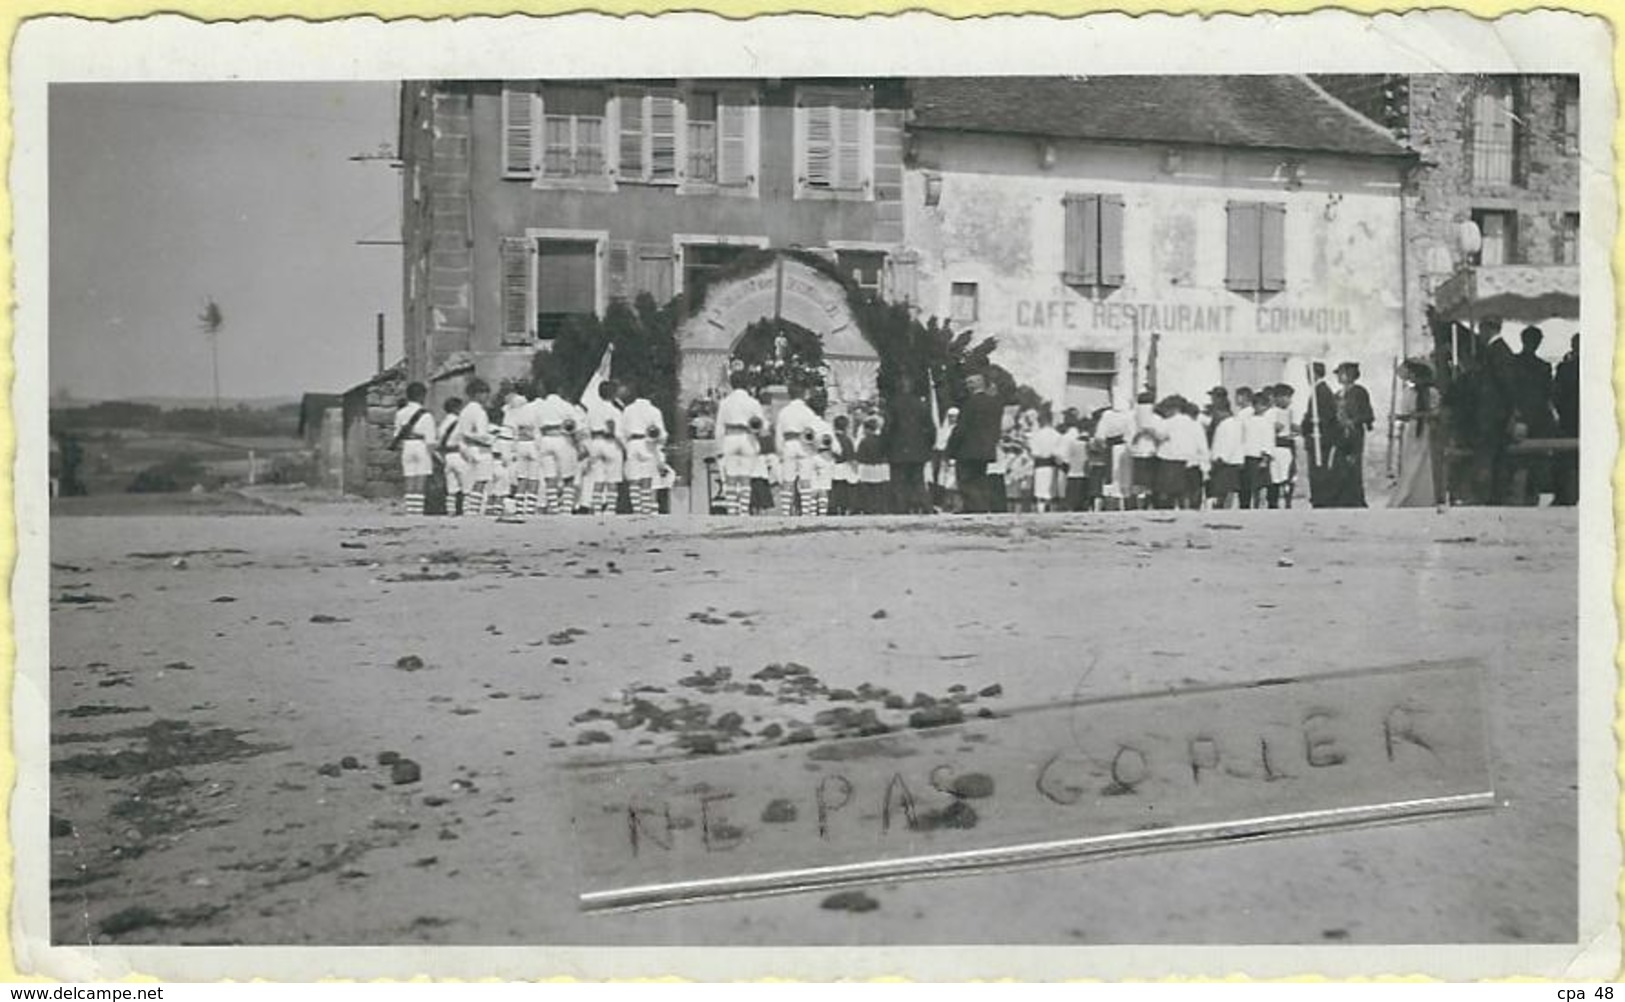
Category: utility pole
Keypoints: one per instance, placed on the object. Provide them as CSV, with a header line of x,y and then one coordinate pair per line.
x,y
380,342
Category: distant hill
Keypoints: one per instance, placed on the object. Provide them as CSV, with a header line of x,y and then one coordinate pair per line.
x,y
183,403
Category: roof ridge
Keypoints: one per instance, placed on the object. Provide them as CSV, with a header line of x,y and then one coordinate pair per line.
x,y
1349,110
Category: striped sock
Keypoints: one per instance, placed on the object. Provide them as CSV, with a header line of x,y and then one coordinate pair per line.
x,y
476,502
787,499
820,503
646,499
414,504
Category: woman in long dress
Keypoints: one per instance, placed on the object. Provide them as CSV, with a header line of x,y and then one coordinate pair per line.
x,y
1418,483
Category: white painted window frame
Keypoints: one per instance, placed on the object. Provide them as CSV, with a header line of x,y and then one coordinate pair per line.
x,y
600,241
753,139
575,182
809,96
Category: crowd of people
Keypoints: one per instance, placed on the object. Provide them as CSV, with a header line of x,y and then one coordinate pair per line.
x,y
1241,449
1246,447
535,455
1501,406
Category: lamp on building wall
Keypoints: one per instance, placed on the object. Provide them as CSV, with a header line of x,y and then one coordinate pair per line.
x,y
1291,174
1046,154
1172,161
1469,239
933,189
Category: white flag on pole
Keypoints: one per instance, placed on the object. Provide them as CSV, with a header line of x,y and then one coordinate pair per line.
x,y
598,376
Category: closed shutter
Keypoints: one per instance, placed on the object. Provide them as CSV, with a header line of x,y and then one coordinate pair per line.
x,y
1242,264
848,148
654,271
516,308
902,278
1111,240
1272,247
1082,247
662,137
820,146
619,270
631,145
734,166
518,132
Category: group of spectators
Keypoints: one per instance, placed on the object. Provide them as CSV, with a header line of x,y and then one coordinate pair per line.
x,y
1513,421
1241,449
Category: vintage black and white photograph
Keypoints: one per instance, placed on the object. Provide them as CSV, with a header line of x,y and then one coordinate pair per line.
x,y
1051,506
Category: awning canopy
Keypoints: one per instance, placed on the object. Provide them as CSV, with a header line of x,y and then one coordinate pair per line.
x,y
1522,293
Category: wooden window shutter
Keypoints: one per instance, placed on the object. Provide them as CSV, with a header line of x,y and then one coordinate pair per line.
x,y
662,137
1082,240
818,169
1243,258
849,147
630,163
1272,247
1111,240
654,271
518,132
517,323
902,277
619,270
733,165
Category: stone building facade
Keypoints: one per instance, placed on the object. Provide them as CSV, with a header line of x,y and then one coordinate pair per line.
x,y
527,202
1246,228
1501,153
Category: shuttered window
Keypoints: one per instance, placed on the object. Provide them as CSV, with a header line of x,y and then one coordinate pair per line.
x,y
518,132
1494,132
735,164
834,139
517,326
1256,247
618,271
566,283
654,271
1094,241
701,108
963,303
1571,118
573,131
719,138
647,146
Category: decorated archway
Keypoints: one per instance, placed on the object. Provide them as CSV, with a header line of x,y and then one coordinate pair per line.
x,y
795,292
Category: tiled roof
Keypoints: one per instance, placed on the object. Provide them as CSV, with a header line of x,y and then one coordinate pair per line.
x,y
1268,112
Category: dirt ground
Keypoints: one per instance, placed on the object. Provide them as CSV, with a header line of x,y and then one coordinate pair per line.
x,y
222,690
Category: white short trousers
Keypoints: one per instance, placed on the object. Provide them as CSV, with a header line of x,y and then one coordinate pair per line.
x,y
791,460
822,471
604,460
415,458
457,480
642,459
739,453
526,460
481,464
558,457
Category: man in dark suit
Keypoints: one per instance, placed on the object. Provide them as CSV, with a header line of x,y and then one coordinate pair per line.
x,y
1354,419
910,435
975,442
1320,431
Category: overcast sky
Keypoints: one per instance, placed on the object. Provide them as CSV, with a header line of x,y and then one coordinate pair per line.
x,y
162,195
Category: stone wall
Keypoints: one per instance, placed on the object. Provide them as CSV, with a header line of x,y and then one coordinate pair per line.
x,y
437,227
372,468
